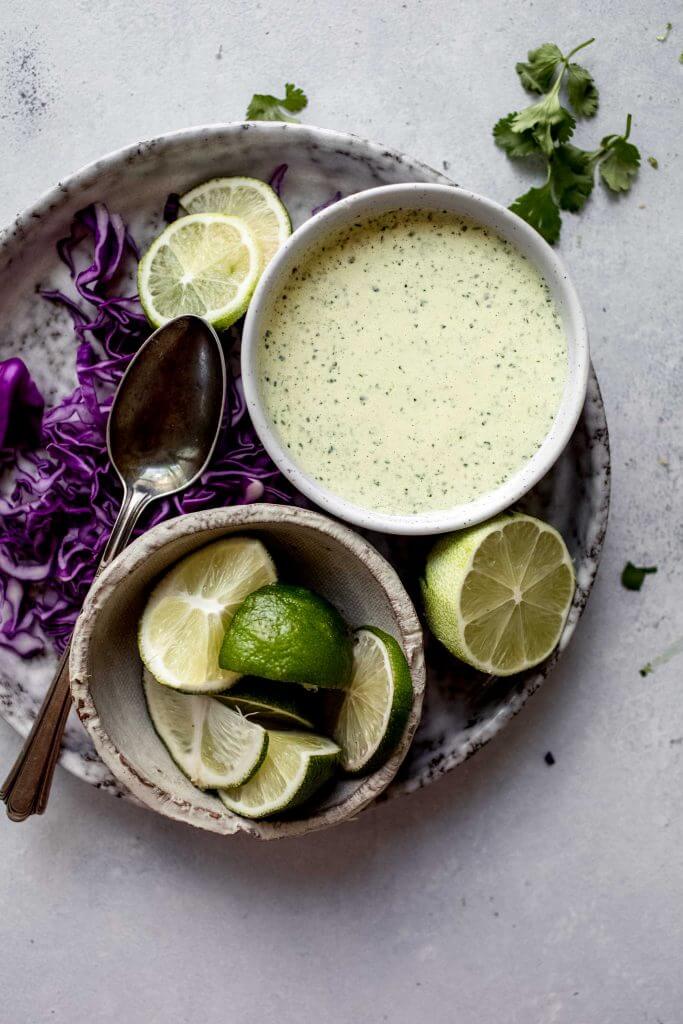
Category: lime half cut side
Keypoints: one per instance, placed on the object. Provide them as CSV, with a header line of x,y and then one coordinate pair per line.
x,y
184,621
212,744
376,704
207,264
250,199
296,766
498,595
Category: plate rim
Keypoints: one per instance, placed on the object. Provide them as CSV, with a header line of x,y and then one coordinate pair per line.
x,y
58,195
14,234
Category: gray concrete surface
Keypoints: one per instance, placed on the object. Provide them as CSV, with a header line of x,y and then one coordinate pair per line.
x,y
511,891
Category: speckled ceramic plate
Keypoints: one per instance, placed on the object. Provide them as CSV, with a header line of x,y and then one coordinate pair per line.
x,y
460,713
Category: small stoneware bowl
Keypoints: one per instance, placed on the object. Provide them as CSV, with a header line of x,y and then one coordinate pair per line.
x,y
106,671
507,225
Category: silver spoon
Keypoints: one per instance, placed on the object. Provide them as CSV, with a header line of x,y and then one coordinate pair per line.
x,y
162,430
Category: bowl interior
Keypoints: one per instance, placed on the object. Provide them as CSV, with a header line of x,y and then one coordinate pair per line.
x,y
106,661
510,227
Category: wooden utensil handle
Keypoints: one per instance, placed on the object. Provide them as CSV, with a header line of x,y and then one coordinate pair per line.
x,y
27,787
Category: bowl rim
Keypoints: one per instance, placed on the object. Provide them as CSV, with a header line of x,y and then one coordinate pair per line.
x,y
261,515
544,258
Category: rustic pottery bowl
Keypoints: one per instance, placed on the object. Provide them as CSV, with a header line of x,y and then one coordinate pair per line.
x,y
460,202
106,671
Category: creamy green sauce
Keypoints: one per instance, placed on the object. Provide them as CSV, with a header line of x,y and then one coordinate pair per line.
x,y
413,362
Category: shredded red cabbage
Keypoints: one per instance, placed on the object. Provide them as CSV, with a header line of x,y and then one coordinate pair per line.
x,y
171,207
59,505
21,408
277,178
328,202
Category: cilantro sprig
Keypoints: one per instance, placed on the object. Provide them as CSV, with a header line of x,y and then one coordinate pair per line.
x,y
264,107
542,132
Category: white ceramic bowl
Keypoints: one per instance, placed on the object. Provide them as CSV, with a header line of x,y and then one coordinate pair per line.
x,y
506,224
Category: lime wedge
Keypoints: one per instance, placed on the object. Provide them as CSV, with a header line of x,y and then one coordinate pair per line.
x,y
211,743
290,634
376,703
207,264
250,199
498,595
296,765
187,613
272,702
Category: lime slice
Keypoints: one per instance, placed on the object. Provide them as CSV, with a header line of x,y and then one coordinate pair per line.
x,y
272,702
376,704
250,199
186,615
498,595
296,765
207,264
288,633
211,743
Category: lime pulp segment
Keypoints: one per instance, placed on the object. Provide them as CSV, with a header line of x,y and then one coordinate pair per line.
x,y
184,621
250,199
212,744
206,264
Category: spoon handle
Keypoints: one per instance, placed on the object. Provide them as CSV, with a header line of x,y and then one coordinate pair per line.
x,y
26,789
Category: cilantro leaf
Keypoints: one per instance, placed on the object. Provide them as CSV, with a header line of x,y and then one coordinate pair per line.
x,y
633,576
571,171
537,72
563,129
264,107
621,163
549,133
582,90
538,208
547,111
515,144
653,162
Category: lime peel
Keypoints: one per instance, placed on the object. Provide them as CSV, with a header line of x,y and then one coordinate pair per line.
x,y
377,703
296,766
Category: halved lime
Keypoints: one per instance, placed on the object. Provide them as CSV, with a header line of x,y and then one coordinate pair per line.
x,y
272,702
376,703
250,199
211,743
498,595
186,615
296,765
288,633
206,263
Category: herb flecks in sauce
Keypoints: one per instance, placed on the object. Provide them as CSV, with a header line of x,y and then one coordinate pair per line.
x,y
413,362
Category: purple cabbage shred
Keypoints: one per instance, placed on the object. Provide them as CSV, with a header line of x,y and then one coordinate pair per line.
x,y
171,207
59,494
21,408
277,178
328,202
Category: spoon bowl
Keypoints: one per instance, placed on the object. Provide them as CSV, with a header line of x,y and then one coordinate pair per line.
x,y
164,422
